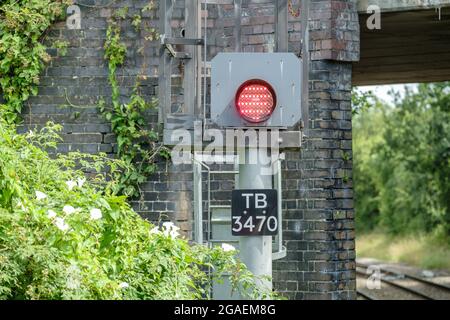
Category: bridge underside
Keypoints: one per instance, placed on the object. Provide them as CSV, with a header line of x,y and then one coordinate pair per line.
x,y
411,46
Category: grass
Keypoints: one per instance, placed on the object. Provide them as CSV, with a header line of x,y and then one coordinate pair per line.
x,y
422,251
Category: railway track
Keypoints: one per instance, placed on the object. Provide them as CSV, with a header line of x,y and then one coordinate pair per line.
x,y
413,286
365,296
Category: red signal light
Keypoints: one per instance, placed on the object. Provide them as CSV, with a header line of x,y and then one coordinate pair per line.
x,y
255,100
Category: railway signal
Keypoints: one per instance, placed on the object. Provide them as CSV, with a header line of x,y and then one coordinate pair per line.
x,y
256,90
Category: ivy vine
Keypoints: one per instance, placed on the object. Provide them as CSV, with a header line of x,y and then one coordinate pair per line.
x,y
137,145
23,24
23,55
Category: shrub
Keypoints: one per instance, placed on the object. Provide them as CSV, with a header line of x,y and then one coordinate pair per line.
x,y
63,236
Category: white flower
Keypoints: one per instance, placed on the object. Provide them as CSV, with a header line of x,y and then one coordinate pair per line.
x,y
51,214
155,230
21,206
73,277
72,284
61,224
123,285
40,195
68,209
227,247
168,225
170,230
96,214
174,232
80,182
71,184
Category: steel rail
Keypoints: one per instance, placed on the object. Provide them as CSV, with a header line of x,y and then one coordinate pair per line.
x,y
366,295
409,276
399,286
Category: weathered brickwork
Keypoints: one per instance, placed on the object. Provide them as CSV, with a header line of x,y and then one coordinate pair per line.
x,y
334,30
317,181
318,207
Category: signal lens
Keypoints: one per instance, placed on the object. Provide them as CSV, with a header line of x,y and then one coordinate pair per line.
x,y
255,100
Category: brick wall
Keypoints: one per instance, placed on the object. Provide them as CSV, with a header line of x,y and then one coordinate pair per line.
x,y
334,30
318,208
319,226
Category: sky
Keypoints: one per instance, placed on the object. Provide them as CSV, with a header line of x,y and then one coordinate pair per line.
x,y
382,91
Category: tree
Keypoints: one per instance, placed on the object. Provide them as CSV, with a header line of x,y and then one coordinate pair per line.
x,y
402,166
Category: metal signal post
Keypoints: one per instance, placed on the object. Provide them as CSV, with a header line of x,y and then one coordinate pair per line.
x,y
249,92
255,251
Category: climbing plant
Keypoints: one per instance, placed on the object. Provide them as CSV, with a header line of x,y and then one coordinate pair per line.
x,y
23,24
137,145
23,55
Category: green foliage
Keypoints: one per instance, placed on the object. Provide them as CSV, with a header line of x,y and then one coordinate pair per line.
x,y
137,145
61,46
22,55
65,237
121,13
22,58
367,135
136,23
151,33
62,237
115,52
362,100
151,5
402,163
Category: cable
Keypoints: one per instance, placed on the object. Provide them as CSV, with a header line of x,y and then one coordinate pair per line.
x,y
205,10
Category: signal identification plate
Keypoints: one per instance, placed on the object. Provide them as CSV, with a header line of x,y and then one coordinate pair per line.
x,y
254,212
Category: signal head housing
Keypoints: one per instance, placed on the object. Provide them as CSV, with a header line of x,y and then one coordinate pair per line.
x,y
256,90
